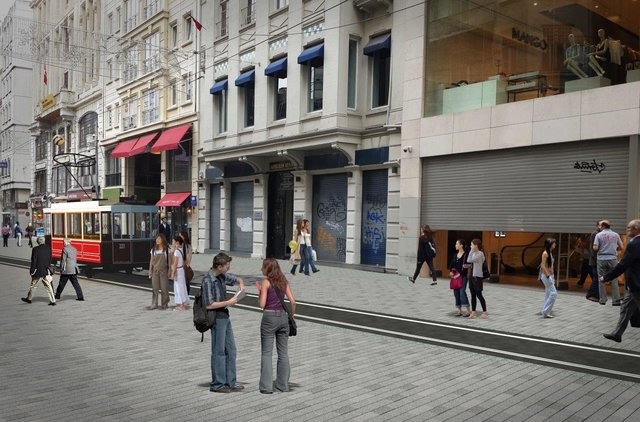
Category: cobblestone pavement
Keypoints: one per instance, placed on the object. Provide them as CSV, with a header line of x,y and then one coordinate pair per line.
x,y
108,358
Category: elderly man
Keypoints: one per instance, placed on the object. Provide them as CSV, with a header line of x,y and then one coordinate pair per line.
x,y
69,270
40,263
607,243
630,266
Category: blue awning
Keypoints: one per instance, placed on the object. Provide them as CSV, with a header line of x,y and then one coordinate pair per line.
x,y
378,44
246,78
312,54
277,69
219,86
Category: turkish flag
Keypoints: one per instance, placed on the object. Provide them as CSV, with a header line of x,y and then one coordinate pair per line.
x,y
44,78
196,23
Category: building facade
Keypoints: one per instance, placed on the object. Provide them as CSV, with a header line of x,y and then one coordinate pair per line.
x,y
15,118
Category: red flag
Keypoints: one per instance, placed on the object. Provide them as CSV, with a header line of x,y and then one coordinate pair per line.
x,y
45,80
197,24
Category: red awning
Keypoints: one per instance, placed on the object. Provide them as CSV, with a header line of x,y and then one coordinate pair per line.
x,y
124,148
141,146
170,138
174,199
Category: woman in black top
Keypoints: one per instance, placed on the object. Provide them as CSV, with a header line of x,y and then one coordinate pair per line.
x,y
426,253
459,263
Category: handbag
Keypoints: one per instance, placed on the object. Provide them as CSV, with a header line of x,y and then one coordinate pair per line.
x,y
293,327
485,271
188,273
314,255
456,280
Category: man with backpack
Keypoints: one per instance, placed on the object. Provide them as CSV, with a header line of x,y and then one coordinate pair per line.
x,y
223,346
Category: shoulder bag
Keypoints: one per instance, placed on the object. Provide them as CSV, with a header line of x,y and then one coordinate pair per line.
x,y
293,328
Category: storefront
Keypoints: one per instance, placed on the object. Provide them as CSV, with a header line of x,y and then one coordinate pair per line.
x,y
329,228
373,238
280,214
241,214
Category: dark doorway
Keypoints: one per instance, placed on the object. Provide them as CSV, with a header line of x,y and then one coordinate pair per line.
x,y
280,214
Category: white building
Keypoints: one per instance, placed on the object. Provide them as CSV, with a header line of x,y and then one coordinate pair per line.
x,y
15,117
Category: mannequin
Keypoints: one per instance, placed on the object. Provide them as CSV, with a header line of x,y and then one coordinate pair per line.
x,y
572,57
601,55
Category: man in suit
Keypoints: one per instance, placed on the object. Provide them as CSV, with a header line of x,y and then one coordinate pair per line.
x,y
69,270
165,229
630,266
40,263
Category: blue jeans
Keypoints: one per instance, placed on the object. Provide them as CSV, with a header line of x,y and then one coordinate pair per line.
x,y
223,355
461,294
550,294
308,260
274,325
594,289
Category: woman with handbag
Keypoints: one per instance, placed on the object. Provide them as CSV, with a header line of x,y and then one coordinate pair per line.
x,y
274,324
307,250
180,296
296,256
476,258
460,265
547,278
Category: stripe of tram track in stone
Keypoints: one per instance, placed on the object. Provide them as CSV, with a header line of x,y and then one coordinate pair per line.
x,y
595,360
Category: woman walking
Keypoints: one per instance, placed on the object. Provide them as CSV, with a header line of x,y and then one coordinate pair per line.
x,y
296,256
274,324
159,273
459,263
426,253
307,250
187,252
476,258
547,278
180,296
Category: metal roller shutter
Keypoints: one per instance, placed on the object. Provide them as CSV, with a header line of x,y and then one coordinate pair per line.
x,y
373,243
533,189
242,217
329,228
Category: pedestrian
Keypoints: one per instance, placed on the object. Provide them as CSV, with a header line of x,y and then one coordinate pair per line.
x,y
29,233
6,232
584,250
426,253
17,231
307,249
159,265
630,266
274,324
40,271
547,278
296,257
187,252
69,269
477,259
607,244
164,228
223,345
180,296
593,294
459,263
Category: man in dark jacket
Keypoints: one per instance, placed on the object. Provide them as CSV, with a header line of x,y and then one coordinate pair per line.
x,y
40,263
630,266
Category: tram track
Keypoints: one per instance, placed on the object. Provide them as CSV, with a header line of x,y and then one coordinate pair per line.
x,y
596,360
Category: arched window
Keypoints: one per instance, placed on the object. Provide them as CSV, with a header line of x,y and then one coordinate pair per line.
x,y
88,126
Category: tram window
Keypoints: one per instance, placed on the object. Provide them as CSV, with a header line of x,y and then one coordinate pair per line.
x,y
57,225
91,225
74,229
142,225
153,225
106,231
120,225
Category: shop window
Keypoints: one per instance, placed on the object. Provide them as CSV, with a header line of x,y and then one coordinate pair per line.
x,y
179,162
315,77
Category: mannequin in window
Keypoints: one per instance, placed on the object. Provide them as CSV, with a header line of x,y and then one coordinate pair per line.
x,y
572,57
601,56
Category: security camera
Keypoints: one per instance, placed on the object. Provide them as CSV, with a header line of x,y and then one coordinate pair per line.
x,y
407,149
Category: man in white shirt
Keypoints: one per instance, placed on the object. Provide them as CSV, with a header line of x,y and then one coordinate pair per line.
x,y
607,243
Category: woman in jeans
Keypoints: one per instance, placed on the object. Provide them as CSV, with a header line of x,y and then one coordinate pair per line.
x,y
459,263
547,278
476,257
306,250
275,323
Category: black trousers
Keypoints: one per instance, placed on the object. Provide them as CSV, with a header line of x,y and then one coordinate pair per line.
x,y
429,262
593,291
5,241
73,278
630,304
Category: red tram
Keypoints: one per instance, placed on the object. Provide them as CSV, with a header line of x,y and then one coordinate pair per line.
x,y
110,237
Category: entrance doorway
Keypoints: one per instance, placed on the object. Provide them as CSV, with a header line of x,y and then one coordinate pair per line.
x,y
280,214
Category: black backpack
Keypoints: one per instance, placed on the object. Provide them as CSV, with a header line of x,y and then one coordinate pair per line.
x,y
203,318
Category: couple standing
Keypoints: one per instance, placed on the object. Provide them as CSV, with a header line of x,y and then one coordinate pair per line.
x,y
303,250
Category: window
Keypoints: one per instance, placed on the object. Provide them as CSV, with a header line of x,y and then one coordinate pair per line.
x,y
187,28
57,223
118,19
174,35
112,170
41,147
40,183
109,69
222,24
249,103
131,15
120,225
187,88
315,78
91,225
109,117
179,162
280,97
60,180
85,174
352,73
74,225
110,23
219,91
142,225
151,8
150,107
130,114
88,128
174,93
248,13
381,65
279,4
152,53
130,71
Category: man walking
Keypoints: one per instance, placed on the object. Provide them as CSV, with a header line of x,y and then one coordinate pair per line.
x,y
40,263
593,294
607,244
630,266
69,270
223,345
17,230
